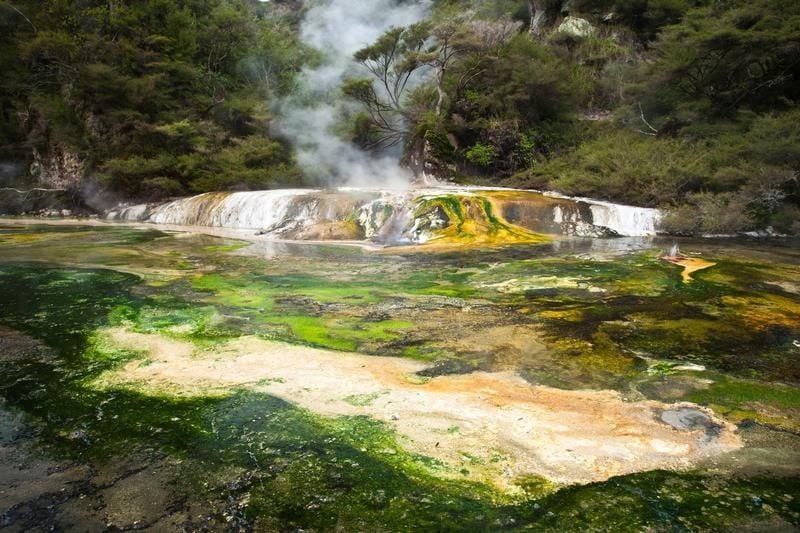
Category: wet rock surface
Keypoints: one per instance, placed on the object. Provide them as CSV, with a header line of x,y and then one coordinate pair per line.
x,y
140,492
41,202
16,345
686,419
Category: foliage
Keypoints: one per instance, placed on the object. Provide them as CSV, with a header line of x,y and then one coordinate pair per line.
x,y
682,104
157,98
710,213
749,162
690,106
721,59
481,155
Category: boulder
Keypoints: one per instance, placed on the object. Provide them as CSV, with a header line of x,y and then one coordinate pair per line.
x,y
577,27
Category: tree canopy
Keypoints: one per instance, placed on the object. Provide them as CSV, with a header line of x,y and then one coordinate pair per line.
x,y
157,98
669,103
682,104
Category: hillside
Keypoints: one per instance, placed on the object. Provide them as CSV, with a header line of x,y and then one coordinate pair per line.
x,y
689,105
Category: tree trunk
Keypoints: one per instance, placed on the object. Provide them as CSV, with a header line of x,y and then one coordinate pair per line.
x,y
543,14
440,91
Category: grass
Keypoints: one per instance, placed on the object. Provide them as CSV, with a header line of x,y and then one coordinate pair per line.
x,y
738,400
363,400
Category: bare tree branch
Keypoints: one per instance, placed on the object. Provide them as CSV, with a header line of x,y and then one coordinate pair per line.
x,y
21,14
653,132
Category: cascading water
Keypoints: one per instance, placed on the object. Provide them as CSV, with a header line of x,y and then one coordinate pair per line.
x,y
586,216
392,217
625,219
245,210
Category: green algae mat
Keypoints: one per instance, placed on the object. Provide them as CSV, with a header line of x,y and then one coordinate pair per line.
x,y
183,382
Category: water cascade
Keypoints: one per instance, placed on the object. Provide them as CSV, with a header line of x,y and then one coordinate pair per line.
x,y
398,217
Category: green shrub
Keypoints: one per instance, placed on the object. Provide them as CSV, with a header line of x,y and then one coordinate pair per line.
x,y
708,213
482,155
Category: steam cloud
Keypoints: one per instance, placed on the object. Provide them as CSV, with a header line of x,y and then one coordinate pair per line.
x,y
338,29
9,173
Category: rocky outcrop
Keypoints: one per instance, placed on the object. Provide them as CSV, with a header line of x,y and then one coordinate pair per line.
x,y
59,167
426,163
39,202
543,15
576,27
391,216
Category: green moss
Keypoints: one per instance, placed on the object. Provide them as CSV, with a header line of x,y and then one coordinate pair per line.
x,y
363,400
671,502
102,352
224,248
302,471
337,333
270,381
472,220
535,486
315,331
234,291
772,404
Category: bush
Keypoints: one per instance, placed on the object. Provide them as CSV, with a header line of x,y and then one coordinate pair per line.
x,y
709,213
481,155
161,187
626,166
155,96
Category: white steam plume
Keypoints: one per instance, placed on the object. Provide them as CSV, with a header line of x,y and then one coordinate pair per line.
x,y
338,29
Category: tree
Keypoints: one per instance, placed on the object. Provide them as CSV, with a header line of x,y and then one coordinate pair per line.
x,y
151,98
400,59
543,14
393,60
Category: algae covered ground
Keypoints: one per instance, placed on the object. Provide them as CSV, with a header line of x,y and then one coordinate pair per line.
x,y
88,444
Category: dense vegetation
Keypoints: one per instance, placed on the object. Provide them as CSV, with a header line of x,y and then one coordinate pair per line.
x,y
686,104
149,98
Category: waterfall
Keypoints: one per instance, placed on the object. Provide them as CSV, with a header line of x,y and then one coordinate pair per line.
x,y
618,219
241,210
392,217
625,220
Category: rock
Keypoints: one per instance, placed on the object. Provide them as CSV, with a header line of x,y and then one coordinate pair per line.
x,y
769,231
58,167
426,225
576,27
686,419
18,201
691,367
16,345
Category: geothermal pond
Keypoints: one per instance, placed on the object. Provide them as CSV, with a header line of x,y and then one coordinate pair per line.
x,y
173,380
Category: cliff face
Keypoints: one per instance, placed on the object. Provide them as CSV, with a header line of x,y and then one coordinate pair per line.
x,y
39,202
59,167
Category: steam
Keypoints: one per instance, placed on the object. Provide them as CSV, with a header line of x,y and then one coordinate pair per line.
x,y
338,29
10,172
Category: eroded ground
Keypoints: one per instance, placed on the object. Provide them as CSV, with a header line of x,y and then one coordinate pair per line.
x,y
283,386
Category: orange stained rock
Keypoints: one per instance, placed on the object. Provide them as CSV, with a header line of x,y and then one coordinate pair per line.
x,y
690,265
493,428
